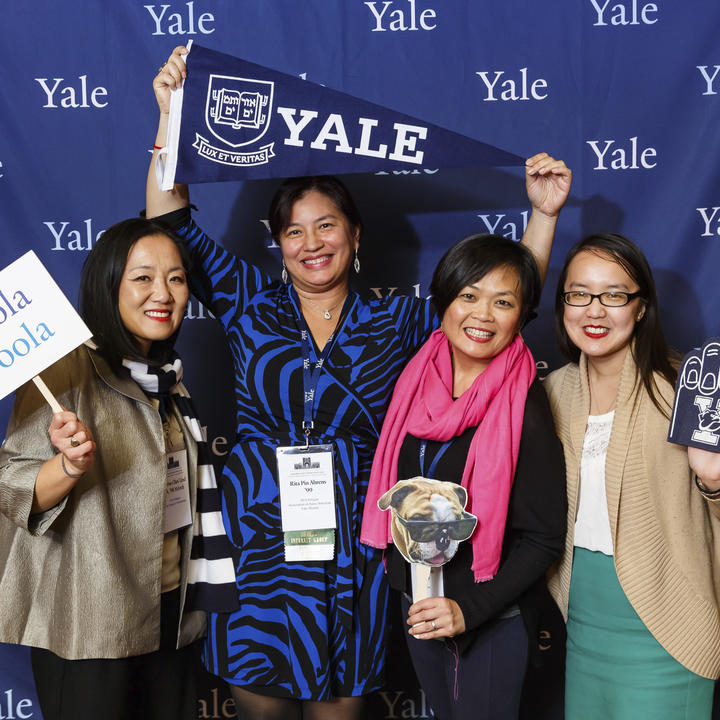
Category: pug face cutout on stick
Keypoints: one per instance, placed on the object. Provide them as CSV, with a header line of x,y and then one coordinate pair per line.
x,y
428,519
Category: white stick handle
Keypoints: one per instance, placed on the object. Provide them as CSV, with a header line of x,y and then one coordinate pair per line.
x,y
421,590
43,388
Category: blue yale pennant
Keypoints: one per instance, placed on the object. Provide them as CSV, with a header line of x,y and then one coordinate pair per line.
x,y
234,120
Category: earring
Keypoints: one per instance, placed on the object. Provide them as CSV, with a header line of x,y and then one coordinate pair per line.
x,y
356,263
284,274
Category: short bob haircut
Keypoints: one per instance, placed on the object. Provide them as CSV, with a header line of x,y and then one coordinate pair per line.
x,y
650,350
100,287
474,257
294,189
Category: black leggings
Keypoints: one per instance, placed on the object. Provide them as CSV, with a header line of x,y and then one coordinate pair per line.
x,y
156,686
485,683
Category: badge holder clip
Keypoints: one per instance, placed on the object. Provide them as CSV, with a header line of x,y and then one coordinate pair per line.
x,y
307,427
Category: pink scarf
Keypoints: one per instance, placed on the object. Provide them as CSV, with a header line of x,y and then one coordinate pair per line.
x,y
422,405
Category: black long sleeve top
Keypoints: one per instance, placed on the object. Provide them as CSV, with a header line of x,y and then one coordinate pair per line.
x,y
534,531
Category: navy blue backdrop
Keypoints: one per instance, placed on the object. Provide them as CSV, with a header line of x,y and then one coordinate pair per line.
x,y
625,91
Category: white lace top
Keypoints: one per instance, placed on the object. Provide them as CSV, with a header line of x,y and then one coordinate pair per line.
x,y
592,524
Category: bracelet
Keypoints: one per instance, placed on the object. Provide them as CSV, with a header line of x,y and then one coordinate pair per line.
x,y
158,147
705,491
70,475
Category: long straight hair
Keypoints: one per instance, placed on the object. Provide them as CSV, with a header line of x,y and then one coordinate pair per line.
x,y
651,352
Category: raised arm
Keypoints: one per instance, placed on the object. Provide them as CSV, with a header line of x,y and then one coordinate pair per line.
x,y
548,184
220,280
170,77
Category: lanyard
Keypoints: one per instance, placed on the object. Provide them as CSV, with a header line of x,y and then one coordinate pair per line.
x,y
311,377
423,447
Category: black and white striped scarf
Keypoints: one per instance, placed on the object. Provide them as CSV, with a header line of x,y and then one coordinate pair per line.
x,y
211,573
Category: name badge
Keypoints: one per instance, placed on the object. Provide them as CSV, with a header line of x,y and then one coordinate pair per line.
x,y
307,502
177,492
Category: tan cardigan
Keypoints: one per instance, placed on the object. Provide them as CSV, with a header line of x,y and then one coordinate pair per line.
x,y
666,536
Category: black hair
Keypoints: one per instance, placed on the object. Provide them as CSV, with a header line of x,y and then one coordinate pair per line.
x,y
102,272
294,189
475,256
650,350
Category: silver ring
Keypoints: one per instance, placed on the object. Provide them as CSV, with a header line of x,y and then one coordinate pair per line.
x,y
434,626
74,442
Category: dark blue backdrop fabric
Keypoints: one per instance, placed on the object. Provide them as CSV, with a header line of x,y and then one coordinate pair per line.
x,y
627,92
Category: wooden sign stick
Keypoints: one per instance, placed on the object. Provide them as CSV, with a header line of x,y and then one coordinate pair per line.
x,y
43,388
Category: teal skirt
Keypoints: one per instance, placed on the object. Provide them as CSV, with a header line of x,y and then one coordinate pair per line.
x,y
616,669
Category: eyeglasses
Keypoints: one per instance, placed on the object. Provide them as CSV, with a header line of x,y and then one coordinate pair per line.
x,y
579,298
428,530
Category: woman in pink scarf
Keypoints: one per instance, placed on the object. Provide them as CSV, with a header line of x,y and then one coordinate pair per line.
x,y
469,410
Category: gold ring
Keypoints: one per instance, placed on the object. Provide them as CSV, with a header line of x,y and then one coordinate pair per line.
x,y
162,67
74,442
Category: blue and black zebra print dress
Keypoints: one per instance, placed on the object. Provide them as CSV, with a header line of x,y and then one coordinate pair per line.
x,y
310,630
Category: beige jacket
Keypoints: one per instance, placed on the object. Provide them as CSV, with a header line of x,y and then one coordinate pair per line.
x,y
83,578
666,536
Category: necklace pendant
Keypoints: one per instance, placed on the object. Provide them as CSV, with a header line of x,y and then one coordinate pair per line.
x,y
327,315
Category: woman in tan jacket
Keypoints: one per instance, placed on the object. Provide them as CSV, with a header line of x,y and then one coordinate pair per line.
x,y
638,581
97,568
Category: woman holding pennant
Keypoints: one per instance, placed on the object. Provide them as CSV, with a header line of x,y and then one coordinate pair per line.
x,y
314,366
104,506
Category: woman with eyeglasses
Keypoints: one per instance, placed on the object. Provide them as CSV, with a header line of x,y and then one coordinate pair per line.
x,y
637,581
468,409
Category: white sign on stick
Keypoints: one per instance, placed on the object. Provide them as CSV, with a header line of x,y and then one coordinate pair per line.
x,y
38,324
